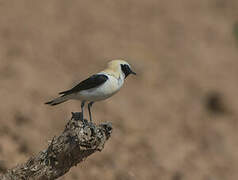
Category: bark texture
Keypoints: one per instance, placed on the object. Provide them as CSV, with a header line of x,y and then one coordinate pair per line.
x,y
79,140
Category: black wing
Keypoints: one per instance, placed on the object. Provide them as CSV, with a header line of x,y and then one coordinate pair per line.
x,y
92,82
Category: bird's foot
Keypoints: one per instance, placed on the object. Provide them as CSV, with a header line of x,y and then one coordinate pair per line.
x,y
92,127
78,116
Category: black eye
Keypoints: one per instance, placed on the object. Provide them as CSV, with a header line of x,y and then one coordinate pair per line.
x,y
125,69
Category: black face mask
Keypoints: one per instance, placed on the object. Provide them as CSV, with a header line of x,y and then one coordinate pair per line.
x,y
126,70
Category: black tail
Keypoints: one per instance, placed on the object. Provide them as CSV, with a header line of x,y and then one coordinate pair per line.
x,y
52,103
56,101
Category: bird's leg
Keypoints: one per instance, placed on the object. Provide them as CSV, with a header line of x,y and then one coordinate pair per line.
x,y
89,110
82,106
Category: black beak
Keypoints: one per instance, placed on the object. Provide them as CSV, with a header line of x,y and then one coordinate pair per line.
x,y
133,72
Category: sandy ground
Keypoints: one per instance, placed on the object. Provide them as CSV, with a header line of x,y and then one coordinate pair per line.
x,y
176,120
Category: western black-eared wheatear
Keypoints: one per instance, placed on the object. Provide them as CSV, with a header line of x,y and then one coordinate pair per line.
x,y
97,87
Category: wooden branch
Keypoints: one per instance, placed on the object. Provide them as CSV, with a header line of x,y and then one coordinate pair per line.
x,y
79,140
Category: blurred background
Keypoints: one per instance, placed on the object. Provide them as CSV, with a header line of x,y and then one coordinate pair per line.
x,y
176,120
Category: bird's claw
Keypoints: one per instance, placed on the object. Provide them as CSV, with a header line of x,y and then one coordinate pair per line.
x,y
78,116
92,127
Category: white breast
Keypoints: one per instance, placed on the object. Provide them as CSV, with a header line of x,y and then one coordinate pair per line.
x,y
110,87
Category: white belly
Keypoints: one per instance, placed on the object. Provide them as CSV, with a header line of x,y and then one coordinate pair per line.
x,y
110,87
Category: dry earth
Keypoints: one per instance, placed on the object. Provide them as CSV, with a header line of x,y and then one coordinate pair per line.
x,y
176,120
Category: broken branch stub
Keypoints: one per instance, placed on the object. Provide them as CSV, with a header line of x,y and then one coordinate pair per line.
x,y
79,140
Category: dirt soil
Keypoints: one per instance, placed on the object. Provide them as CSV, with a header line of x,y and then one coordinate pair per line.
x,y
176,120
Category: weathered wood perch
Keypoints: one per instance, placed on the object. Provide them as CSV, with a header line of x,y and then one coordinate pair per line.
x,y
79,140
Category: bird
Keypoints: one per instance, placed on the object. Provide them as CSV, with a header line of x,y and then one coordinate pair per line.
x,y
97,87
